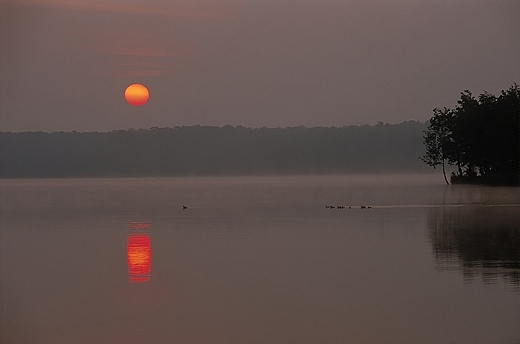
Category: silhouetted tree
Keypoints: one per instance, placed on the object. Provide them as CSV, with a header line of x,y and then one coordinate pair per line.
x,y
480,136
436,139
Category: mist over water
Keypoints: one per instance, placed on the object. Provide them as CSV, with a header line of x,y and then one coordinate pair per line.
x,y
258,260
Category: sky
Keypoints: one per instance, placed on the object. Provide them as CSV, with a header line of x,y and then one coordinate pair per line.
x,y
64,64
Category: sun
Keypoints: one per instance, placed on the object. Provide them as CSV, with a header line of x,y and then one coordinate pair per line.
x,y
137,94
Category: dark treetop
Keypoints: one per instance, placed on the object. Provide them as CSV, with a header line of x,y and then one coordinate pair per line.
x,y
480,136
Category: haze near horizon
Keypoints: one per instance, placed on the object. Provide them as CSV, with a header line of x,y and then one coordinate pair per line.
x,y
65,65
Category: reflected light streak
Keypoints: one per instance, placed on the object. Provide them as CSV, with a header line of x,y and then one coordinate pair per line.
x,y
138,225
139,257
118,7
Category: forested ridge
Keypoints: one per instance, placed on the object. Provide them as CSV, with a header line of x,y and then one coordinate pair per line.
x,y
207,150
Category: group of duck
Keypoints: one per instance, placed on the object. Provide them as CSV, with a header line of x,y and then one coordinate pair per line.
x,y
349,207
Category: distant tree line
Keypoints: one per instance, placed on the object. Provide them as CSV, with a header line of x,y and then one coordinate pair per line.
x,y
205,150
480,137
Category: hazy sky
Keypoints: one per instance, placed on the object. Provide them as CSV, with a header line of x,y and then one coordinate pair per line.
x,y
64,64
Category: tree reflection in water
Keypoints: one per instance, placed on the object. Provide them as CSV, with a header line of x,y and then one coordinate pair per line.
x,y
480,241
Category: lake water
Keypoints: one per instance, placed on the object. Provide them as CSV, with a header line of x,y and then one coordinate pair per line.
x,y
259,260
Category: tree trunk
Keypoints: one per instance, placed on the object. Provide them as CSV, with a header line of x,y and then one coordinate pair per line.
x,y
444,172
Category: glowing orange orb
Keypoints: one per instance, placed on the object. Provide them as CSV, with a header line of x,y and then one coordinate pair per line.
x,y
137,94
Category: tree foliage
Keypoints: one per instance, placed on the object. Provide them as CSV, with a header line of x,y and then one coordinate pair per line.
x,y
480,136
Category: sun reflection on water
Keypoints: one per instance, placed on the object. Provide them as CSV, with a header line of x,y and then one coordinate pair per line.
x,y
139,255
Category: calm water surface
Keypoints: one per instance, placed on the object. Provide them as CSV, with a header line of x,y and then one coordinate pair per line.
x,y
258,260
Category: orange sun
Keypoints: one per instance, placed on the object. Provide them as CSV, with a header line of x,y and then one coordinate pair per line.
x,y
137,94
